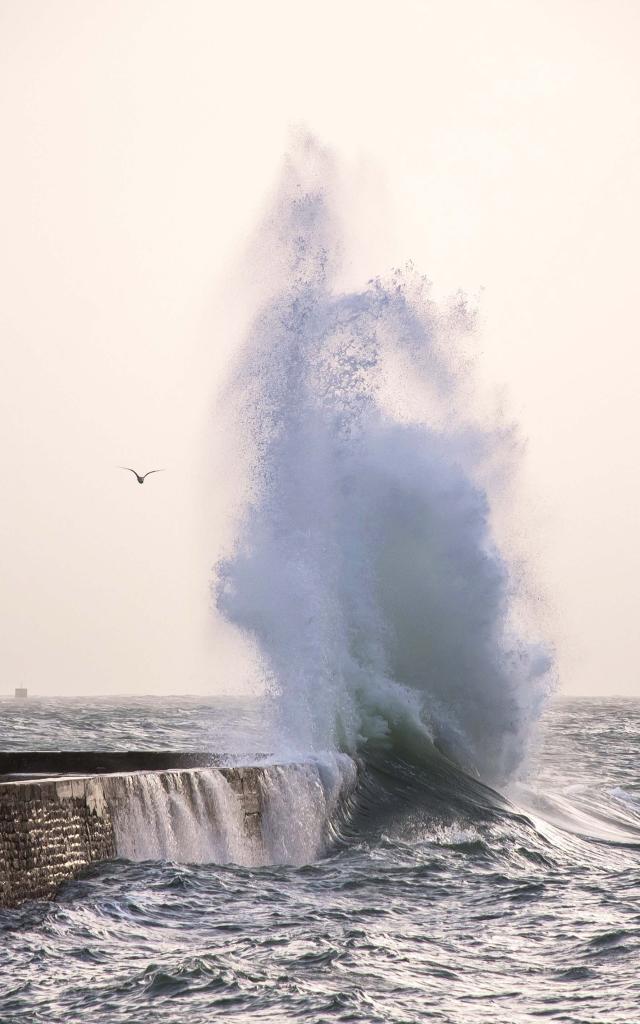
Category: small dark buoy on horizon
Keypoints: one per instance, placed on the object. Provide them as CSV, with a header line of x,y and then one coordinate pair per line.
x,y
139,478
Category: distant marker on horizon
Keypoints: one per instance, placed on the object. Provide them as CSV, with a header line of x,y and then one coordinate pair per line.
x,y
139,478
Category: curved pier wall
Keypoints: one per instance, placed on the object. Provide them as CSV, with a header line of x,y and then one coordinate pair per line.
x,y
50,829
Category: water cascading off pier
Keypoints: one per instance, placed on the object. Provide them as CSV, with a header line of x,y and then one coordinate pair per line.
x,y
52,825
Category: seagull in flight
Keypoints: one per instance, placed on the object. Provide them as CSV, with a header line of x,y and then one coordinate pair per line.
x,y
141,479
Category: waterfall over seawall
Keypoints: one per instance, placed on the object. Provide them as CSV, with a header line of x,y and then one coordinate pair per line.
x,y
273,814
51,828
196,816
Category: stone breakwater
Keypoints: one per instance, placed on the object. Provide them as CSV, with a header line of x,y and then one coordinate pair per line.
x,y
49,831
52,828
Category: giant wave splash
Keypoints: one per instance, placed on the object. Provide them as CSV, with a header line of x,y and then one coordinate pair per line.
x,y
364,570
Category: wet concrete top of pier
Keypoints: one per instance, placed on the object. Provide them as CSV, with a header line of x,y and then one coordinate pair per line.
x,y
31,764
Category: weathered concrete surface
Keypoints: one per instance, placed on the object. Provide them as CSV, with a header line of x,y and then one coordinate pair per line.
x,y
50,829
97,762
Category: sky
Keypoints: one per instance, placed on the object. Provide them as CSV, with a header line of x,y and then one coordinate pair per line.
x,y
495,144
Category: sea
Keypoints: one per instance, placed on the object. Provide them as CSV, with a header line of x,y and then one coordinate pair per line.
x,y
432,898
445,839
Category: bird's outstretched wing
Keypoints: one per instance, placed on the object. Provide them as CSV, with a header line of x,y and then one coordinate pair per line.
x,y
129,468
145,475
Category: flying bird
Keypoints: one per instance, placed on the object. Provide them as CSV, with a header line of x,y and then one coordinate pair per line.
x,y
141,479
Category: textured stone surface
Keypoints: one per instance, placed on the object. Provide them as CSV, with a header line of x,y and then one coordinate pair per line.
x,y
50,829
101,762
248,781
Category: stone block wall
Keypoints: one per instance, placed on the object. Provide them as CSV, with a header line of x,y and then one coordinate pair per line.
x,y
246,784
49,831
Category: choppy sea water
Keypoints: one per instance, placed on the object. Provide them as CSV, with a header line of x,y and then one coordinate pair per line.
x,y
434,899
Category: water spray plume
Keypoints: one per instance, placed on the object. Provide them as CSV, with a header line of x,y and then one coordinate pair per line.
x,y
364,569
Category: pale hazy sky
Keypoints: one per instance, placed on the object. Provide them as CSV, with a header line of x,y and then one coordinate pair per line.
x,y
499,142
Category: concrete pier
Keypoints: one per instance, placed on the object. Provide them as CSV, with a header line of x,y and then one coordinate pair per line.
x,y
58,810
34,763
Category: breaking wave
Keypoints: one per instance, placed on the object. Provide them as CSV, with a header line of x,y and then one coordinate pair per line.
x,y
364,569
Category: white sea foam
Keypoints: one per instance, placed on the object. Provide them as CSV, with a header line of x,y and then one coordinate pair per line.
x,y
622,795
364,569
